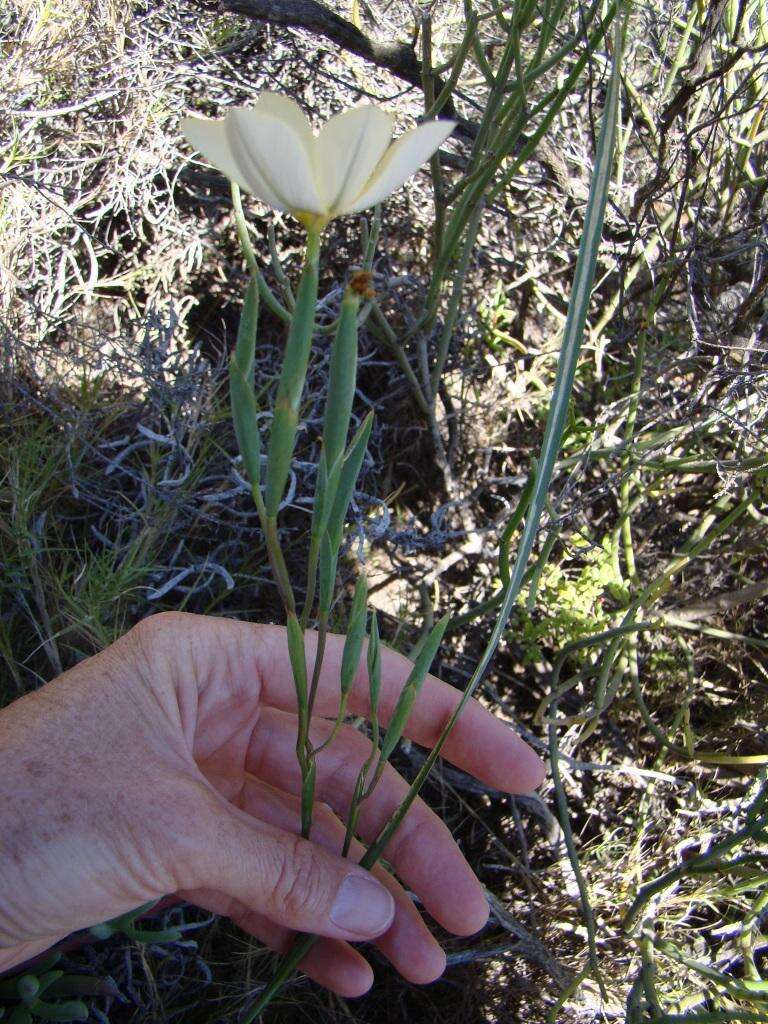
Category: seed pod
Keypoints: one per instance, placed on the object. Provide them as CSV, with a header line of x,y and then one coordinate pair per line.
x,y
325,490
82,985
150,937
282,441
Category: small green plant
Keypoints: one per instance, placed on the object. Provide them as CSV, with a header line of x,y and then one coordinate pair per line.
x,y
126,925
571,602
46,992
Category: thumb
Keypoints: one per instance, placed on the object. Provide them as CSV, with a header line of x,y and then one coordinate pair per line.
x,y
290,880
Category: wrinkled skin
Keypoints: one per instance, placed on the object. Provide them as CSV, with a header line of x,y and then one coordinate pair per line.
x,y
166,764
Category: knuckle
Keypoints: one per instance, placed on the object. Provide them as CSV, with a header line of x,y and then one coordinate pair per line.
x,y
298,890
154,627
151,640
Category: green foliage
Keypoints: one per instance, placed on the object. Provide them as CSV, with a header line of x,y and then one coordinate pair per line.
x,y
43,993
577,596
125,924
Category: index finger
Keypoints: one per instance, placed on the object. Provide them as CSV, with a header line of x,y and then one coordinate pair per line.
x,y
480,744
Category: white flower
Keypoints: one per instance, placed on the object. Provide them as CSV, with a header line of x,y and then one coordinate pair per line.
x,y
271,151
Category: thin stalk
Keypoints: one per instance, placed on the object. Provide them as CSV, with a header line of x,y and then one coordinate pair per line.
x,y
456,68
628,478
748,933
390,338
241,226
322,634
486,169
285,418
436,171
275,554
454,305
542,67
573,856
277,269
480,59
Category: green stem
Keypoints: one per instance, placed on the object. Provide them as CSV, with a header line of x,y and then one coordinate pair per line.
x,y
241,226
322,632
277,562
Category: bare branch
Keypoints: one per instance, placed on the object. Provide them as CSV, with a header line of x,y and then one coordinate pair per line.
x,y
397,57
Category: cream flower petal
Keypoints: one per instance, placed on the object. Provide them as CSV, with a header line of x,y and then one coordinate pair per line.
x,y
349,148
274,150
283,108
403,159
209,137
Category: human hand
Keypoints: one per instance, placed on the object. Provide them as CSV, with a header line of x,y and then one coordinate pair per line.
x,y
166,764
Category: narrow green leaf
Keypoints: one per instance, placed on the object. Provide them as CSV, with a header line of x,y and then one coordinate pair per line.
x,y
338,413
327,573
283,434
374,668
410,690
353,644
350,471
133,915
282,441
396,727
245,347
298,660
245,420
319,503
335,516
308,797
343,378
325,493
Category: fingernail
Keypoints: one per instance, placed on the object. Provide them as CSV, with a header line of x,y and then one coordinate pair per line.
x,y
362,906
